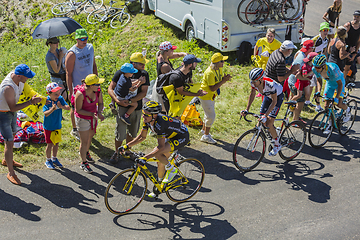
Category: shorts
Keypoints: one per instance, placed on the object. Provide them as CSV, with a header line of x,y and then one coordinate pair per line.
x,y
313,81
8,126
294,91
330,91
122,128
266,103
178,141
85,124
47,136
59,81
348,62
301,84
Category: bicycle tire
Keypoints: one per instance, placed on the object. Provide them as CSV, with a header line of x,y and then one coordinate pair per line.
x,y
344,128
61,9
257,11
292,140
96,16
93,5
290,9
317,137
194,172
244,159
241,10
117,200
120,20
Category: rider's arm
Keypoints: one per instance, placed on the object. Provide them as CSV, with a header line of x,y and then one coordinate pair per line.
x,y
160,148
319,84
251,99
272,105
139,138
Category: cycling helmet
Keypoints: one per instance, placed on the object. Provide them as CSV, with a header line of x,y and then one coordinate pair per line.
x,y
256,74
152,107
319,60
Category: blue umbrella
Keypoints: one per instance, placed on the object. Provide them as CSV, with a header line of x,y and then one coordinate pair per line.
x,y
55,27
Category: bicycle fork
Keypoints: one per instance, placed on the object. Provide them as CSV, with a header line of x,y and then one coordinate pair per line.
x,y
252,148
131,180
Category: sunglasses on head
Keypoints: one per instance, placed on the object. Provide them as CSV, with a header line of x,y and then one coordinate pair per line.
x,y
146,115
83,39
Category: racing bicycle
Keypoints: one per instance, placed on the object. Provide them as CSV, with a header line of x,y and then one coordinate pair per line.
x,y
73,5
127,189
250,148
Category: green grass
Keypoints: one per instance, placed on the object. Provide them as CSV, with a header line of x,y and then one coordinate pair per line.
x,y
113,48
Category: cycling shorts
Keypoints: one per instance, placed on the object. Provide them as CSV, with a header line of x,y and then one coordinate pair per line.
x,y
267,102
178,141
330,90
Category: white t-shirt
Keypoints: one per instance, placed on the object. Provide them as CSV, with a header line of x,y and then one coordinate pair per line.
x,y
17,88
270,87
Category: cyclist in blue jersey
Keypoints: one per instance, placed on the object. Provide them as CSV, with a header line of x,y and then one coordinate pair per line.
x,y
334,81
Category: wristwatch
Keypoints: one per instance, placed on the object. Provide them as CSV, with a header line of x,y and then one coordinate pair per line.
x,y
130,101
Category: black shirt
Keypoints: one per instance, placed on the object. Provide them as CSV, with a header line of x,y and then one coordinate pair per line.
x,y
167,127
179,81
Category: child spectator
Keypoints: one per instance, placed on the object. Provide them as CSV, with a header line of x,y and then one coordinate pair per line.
x,y
126,89
52,123
303,79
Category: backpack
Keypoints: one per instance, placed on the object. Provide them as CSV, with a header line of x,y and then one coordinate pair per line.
x,y
164,80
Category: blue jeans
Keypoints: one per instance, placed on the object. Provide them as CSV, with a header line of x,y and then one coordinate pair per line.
x,y
8,126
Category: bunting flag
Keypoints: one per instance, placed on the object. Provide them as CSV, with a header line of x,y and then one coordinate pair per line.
x,y
177,101
32,110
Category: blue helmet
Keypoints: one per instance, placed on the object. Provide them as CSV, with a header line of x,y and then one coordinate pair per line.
x,y
256,74
319,60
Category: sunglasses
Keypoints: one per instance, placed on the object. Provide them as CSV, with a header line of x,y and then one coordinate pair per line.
x,y
83,39
222,61
325,30
97,85
318,68
146,115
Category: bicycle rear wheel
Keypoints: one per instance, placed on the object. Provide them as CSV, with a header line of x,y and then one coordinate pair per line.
x,y
191,170
120,20
292,140
241,10
290,9
320,129
61,9
92,5
249,150
96,16
344,127
256,11
124,193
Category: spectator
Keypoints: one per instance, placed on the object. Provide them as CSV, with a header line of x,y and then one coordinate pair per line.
x,y
54,58
124,131
332,16
79,62
52,123
321,41
88,104
352,40
337,48
268,45
212,80
10,90
166,52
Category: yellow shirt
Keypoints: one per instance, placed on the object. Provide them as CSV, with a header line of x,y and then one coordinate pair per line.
x,y
266,46
211,77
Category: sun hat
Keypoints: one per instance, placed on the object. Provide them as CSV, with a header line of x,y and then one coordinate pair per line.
x,y
287,44
92,79
80,33
52,87
217,57
310,56
324,25
128,68
24,70
166,46
138,58
190,58
308,44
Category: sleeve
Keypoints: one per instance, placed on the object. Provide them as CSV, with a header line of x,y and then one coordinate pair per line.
x,y
116,76
147,79
46,107
304,69
316,73
62,101
49,57
210,78
176,80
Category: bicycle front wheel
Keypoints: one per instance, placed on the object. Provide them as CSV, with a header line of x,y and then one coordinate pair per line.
x,y
344,127
256,11
96,16
320,129
125,191
241,10
187,183
61,9
120,20
249,150
290,9
292,140
92,5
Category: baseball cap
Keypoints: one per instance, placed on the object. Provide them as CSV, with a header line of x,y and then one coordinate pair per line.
x,y
217,57
190,58
308,44
166,46
324,25
128,68
92,79
52,87
287,44
24,70
138,58
80,33
357,13
310,57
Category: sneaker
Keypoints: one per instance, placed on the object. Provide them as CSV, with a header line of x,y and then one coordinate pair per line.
x,y
208,139
275,150
86,167
125,120
170,175
56,162
202,132
114,158
89,158
152,195
113,108
49,164
15,164
13,179
327,130
347,116
75,133
319,108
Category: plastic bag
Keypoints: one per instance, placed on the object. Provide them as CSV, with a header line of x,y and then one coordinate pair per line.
x,y
191,116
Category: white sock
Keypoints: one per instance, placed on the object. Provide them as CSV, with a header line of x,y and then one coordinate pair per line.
x,y
48,159
348,110
307,102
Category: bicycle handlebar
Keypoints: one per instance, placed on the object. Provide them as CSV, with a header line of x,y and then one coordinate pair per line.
x,y
250,113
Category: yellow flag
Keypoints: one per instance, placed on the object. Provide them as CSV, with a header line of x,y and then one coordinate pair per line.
x,y
177,101
55,136
33,110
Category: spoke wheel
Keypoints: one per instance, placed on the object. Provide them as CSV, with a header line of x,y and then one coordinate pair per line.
x,y
290,9
192,171
292,140
120,20
344,127
118,200
92,5
320,129
96,16
249,150
256,11
241,11
61,9
190,32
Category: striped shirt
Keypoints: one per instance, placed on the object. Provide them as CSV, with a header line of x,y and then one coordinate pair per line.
x,y
276,66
